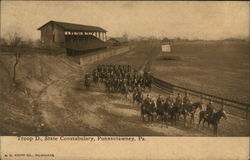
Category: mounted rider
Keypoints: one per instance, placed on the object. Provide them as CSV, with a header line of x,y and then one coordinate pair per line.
x,y
159,101
186,99
87,75
160,106
209,109
178,100
169,100
147,100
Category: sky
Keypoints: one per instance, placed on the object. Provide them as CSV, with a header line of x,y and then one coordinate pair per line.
x,y
192,20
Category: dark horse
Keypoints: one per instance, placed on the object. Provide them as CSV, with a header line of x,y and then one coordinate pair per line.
x,y
162,111
87,83
148,84
137,97
190,109
95,78
147,108
174,112
125,90
214,119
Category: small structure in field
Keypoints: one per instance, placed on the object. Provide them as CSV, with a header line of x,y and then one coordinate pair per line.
x,y
165,45
74,37
117,41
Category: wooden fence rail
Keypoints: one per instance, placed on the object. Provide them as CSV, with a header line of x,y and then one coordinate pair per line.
x,y
224,101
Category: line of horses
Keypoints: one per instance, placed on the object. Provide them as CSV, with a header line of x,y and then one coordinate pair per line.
x,y
123,79
171,111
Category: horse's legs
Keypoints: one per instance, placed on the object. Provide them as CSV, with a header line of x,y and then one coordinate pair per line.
x,y
162,121
166,120
175,119
177,116
172,119
215,129
203,123
185,116
151,118
192,118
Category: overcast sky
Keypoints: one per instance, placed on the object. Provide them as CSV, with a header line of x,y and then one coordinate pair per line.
x,y
203,20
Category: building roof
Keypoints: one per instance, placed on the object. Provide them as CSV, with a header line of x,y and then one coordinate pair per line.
x,y
119,39
165,39
75,27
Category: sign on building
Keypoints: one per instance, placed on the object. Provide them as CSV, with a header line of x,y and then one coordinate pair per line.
x,y
165,48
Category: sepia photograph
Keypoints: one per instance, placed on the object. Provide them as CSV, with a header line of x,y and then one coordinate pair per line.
x,y
125,68
116,70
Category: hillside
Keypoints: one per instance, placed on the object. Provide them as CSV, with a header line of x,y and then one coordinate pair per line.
x,y
35,73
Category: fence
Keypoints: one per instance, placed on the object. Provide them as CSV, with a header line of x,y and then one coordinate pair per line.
x,y
93,57
9,50
170,88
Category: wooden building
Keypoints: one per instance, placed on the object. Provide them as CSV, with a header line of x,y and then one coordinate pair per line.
x,y
165,45
73,37
117,41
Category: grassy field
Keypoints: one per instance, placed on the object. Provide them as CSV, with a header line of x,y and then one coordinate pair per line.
x,y
220,68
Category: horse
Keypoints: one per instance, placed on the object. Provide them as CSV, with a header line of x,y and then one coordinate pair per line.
x,y
162,112
125,90
175,112
148,84
137,97
87,83
190,108
213,120
147,109
183,111
95,78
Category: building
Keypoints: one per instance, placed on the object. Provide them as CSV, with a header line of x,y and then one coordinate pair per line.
x,y
166,45
73,37
117,41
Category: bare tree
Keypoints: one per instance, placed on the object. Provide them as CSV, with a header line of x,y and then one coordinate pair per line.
x,y
18,56
125,36
15,42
